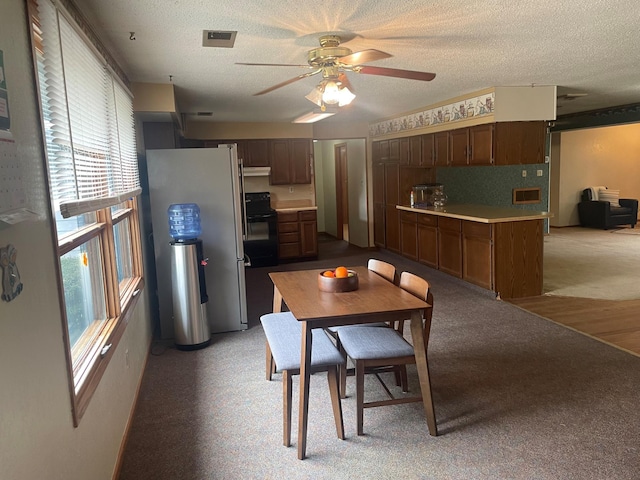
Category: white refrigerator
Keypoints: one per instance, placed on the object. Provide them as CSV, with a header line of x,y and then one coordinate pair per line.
x,y
209,177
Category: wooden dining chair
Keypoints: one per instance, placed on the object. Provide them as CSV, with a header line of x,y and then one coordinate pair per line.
x,y
388,272
284,335
384,347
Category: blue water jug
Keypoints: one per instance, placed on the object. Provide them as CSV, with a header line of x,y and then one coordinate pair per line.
x,y
184,221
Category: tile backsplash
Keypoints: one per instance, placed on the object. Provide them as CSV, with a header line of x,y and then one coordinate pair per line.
x,y
493,185
280,192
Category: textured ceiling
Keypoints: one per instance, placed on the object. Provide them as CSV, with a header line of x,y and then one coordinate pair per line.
x,y
582,47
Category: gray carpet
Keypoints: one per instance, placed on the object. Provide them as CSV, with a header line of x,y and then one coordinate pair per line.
x,y
516,397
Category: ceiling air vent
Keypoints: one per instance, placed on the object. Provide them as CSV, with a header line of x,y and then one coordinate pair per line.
x,y
218,38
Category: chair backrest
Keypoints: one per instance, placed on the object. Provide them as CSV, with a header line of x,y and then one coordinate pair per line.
x,y
420,288
384,269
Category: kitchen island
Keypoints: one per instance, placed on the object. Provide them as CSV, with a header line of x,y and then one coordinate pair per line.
x,y
496,248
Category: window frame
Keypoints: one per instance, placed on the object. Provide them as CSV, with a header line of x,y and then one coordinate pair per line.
x,y
99,341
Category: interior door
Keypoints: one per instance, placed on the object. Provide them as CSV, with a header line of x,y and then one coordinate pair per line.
x,y
342,192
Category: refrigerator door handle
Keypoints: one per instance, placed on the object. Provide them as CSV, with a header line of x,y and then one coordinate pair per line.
x,y
242,201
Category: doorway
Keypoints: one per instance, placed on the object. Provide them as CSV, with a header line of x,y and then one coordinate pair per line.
x,y
342,191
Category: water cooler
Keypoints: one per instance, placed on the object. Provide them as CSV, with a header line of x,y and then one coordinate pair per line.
x,y
189,288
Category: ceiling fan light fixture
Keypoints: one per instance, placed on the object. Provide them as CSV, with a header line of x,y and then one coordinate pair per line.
x,y
331,93
315,95
345,97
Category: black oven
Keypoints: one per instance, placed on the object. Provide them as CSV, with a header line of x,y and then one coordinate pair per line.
x,y
260,230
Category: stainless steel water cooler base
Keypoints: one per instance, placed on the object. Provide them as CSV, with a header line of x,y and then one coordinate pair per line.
x,y
189,294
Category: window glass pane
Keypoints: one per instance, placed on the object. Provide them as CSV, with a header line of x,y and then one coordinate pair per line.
x,y
65,226
122,237
84,294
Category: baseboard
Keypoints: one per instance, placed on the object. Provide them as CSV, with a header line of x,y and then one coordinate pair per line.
x,y
125,437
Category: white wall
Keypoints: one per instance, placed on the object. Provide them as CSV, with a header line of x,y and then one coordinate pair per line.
x,y
357,185
37,436
595,156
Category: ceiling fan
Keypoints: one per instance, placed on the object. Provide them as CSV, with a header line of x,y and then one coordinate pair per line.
x,y
332,61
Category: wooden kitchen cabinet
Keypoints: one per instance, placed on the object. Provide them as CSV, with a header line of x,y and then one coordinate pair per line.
x,y
415,151
409,234
477,253
392,228
255,152
450,246
379,225
391,184
505,257
472,145
290,161
378,182
481,144
441,148
458,146
428,240
297,234
519,143
428,150
288,235
308,233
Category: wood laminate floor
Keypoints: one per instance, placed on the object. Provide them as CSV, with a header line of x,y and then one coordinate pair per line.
x,y
614,322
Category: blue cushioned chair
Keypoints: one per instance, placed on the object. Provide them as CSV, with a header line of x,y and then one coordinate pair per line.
x,y
284,335
388,272
383,347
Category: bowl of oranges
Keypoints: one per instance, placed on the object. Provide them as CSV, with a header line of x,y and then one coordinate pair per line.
x,y
340,279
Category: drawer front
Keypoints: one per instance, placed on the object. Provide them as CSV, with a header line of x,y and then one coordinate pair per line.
x,y
475,229
287,227
408,217
451,224
293,237
287,217
307,215
428,220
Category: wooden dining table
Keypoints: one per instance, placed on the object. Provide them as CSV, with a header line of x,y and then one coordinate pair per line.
x,y
375,300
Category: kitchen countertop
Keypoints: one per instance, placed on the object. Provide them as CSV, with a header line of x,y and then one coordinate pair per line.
x,y
480,213
293,205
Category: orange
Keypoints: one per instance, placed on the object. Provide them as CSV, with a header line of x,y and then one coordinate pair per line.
x,y
342,272
328,273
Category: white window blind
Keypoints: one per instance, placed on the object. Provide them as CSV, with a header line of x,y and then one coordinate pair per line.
x,y
89,122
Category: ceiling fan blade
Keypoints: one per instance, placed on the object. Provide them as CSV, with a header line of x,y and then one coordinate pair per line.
x,y
395,72
365,56
274,65
287,82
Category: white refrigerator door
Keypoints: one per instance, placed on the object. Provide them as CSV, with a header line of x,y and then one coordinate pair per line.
x,y
208,177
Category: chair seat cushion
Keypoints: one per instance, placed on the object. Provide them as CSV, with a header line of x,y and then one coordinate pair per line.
x,y
362,343
340,327
284,334
620,210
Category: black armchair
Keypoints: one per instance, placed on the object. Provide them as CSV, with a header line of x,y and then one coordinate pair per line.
x,y
600,214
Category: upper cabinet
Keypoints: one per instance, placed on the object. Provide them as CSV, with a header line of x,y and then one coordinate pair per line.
x,y
256,152
520,143
472,145
290,161
502,143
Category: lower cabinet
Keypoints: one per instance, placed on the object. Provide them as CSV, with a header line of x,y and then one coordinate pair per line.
x,y
297,234
428,240
409,235
450,246
477,254
392,230
379,225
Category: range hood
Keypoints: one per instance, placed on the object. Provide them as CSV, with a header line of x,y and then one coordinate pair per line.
x,y
256,171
